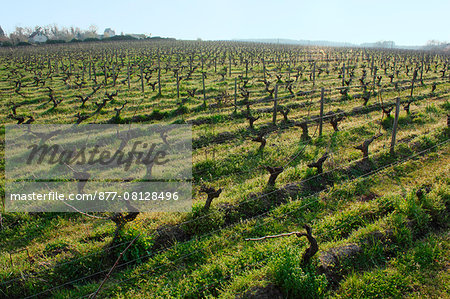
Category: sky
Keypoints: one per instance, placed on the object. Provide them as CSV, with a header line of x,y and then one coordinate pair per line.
x,y
406,22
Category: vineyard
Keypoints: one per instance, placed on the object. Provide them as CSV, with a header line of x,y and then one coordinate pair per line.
x,y
316,172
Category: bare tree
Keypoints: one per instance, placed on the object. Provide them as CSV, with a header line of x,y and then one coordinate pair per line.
x,y
92,31
20,34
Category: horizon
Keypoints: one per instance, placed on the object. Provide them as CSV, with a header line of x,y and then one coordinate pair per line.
x,y
406,23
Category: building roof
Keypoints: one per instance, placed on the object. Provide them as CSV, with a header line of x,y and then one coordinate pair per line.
x,y
36,33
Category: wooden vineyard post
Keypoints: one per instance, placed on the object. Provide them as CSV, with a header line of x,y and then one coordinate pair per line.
x,y
343,74
204,92
412,83
274,118
314,74
84,70
229,70
264,69
142,79
114,72
395,65
448,69
178,86
289,71
421,69
394,128
106,76
371,68
348,66
128,75
321,112
159,75
235,95
374,76
90,69
246,68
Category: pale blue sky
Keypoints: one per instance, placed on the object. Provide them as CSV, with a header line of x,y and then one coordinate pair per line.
x,y
405,22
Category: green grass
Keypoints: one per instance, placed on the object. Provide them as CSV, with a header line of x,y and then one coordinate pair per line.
x,y
203,254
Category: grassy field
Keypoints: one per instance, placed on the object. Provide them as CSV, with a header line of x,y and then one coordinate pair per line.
x,y
381,222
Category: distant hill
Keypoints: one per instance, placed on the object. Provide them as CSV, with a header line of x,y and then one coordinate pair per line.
x,y
324,43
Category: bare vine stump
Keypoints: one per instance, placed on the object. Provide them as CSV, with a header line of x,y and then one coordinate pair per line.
x,y
111,96
246,95
309,252
163,135
270,91
319,163
433,87
406,106
274,172
116,118
251,120
321,111
312,249
387,110
120,219
364,147
285,112
304,126
212,193
30,120
366,98
335,118
262,140
82,178
80,118
422,191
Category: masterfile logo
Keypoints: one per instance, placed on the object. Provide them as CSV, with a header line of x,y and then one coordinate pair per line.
x,y
49,166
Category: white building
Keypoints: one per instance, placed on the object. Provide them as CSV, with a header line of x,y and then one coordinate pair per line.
x,y
109,32
37,37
